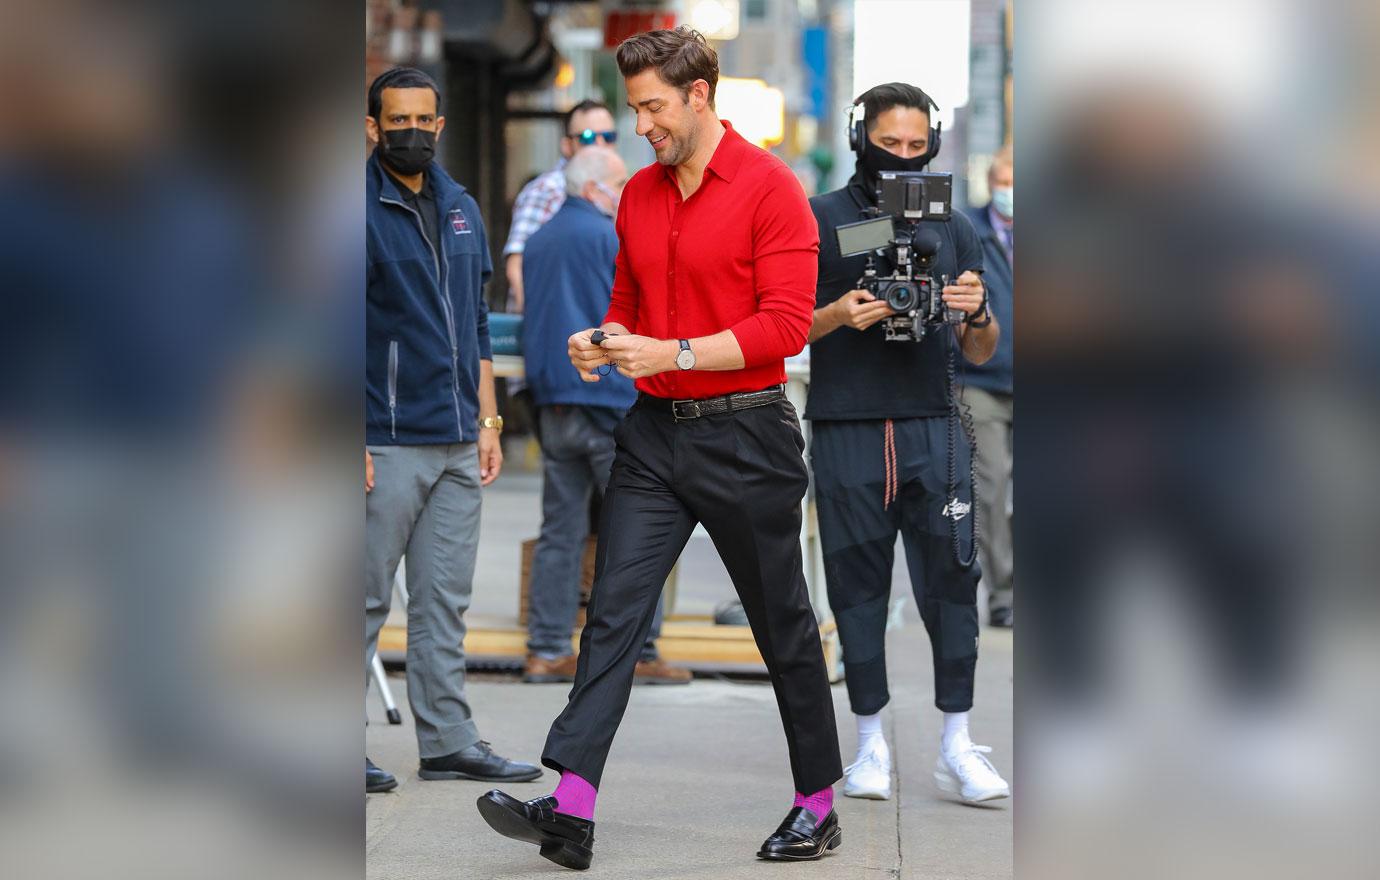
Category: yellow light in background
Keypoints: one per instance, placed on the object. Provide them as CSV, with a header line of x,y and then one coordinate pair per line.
x,y
565,75
716,19
757,111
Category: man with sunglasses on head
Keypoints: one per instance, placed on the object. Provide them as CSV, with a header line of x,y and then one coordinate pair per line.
x,y
586,124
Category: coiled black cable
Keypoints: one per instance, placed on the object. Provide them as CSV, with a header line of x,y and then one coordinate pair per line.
x,y
960,417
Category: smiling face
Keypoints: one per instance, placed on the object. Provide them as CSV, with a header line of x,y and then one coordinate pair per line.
x,y
668,118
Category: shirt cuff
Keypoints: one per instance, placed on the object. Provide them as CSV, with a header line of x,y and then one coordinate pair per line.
x,y
750,342
762,343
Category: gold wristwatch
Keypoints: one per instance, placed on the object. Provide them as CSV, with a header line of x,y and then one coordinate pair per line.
x,y
492,422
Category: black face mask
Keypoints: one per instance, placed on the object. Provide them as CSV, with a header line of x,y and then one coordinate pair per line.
x,y
407,150
875,160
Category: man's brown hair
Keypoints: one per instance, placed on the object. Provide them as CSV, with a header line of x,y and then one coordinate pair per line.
x,y
679,56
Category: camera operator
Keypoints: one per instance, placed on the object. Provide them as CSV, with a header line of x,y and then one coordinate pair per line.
x,y
888,453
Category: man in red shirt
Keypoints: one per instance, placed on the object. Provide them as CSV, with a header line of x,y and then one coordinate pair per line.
x,y
714,288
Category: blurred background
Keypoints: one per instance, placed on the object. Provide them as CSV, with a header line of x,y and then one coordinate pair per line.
x,y
510,69
1196,330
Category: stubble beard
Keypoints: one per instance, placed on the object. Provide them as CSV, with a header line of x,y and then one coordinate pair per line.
x,y
681,150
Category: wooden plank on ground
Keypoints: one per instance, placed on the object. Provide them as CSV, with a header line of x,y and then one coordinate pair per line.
x,y
688,641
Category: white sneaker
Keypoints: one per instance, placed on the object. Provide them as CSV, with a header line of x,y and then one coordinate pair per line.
x,y
870,776
967,773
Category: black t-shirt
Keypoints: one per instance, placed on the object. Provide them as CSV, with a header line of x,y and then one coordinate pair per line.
x,y
424,203
859,375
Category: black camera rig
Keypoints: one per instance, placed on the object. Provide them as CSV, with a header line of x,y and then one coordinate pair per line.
x,y
892,230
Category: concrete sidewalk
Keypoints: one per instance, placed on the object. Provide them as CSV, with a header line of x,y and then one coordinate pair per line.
x,y
697,778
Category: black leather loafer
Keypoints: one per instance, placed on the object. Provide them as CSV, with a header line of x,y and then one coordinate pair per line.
x,y
377,779
802,837
566,840
478,762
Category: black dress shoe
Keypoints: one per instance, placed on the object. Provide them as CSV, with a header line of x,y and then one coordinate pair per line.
x,y
1001,618
377,779
566,840
478,762
802,837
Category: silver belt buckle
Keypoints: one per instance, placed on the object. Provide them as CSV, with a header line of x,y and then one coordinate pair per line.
x,y
692,405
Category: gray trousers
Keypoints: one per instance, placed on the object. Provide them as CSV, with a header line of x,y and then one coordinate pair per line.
x,y
992,424
577,456
425,504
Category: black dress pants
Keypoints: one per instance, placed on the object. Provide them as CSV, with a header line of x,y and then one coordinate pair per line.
x,y
857,528
741,474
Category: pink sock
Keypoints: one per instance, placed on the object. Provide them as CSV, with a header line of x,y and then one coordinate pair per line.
x,y
819,803
575,797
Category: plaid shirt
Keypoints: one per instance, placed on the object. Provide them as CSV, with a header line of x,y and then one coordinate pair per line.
x,y
538,202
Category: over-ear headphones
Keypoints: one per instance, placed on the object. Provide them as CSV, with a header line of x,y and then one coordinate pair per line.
x,y
857,128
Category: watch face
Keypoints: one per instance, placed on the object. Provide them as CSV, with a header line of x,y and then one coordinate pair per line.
x,y
686,359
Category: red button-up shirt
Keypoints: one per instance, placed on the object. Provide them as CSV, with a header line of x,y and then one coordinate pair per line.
x,y
740,254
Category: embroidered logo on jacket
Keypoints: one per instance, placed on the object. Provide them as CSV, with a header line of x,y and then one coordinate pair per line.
x,y
458,224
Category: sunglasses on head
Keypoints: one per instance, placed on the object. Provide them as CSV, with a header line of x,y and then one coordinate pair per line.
x,y
589,136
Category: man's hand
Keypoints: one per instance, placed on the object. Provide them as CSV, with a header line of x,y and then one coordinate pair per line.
x,y
965,293
859,309
490,455
639,356
585,356
368,472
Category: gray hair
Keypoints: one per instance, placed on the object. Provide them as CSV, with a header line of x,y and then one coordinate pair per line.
x,y
596,163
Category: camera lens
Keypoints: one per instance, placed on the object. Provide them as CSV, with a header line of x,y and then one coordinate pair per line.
x,y
901,296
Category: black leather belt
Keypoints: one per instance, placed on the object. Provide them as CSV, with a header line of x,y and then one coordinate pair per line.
x,y
684,410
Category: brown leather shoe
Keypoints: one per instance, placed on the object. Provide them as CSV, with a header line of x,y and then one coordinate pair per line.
x,y
659,672
541,670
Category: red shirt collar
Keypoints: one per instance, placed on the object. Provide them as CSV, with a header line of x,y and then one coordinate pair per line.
x,y
727,158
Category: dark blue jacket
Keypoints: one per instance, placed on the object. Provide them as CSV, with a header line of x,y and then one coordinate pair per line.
x,y
567,277
427,325
996,374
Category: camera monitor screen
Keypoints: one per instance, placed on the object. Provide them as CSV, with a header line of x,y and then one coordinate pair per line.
x,y
864,236
915,195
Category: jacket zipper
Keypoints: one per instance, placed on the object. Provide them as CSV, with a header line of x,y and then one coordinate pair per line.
x,y
393,389
445,307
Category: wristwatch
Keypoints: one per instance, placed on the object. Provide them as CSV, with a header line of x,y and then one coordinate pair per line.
x,y
492,422
686,358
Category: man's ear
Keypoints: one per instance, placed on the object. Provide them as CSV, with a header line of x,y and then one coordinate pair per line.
x,y
567,147
699,95
371,129
440,124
